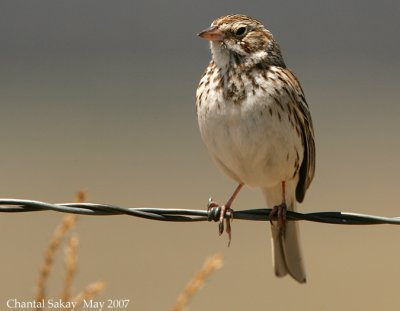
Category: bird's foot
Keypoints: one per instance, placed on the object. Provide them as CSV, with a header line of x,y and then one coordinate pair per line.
x,y
225,211
279,212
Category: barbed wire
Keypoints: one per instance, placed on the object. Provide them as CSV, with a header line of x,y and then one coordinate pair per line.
x,y
189,215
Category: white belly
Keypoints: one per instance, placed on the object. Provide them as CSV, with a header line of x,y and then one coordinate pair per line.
x,y
250,144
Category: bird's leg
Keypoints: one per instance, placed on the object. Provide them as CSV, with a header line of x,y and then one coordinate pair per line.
x,y
279,211
224,210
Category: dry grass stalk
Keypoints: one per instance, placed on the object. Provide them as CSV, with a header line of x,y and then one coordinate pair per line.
x,y
81,196
88,293
58,235
55,242
71,255
210,266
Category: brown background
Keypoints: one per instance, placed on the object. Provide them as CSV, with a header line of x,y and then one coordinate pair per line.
x,y
99,96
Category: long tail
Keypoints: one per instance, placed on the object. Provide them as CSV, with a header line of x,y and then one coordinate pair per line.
x,y
286,252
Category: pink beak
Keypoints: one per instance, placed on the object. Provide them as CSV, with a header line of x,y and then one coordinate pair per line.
x,y
212,34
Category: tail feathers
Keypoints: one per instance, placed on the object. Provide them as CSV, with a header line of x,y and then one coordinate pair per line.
x,y
286,253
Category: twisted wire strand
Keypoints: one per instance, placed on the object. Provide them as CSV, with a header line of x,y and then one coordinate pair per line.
x,y
189,215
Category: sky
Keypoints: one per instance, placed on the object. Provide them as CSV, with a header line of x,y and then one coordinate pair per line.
x,y
100,96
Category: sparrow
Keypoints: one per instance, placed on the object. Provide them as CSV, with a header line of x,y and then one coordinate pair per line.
x,y
256,124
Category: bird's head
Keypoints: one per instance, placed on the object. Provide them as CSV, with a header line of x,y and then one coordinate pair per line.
x,y
241,39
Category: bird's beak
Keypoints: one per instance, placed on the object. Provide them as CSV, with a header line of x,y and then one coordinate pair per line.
x,y
212,34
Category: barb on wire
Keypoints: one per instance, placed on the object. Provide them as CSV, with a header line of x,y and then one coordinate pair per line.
x,y
188,215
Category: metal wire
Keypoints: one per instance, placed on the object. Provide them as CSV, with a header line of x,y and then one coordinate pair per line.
x,y
189,215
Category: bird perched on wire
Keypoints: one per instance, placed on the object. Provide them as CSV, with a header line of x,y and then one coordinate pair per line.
x,y
256,124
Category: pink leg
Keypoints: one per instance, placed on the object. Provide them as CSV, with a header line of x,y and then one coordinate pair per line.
x,y
224,210
279,211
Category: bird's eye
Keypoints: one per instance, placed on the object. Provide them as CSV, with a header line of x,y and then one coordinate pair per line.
x,y
240,31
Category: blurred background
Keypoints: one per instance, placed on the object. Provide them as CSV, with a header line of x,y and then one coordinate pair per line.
x,y
100,96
